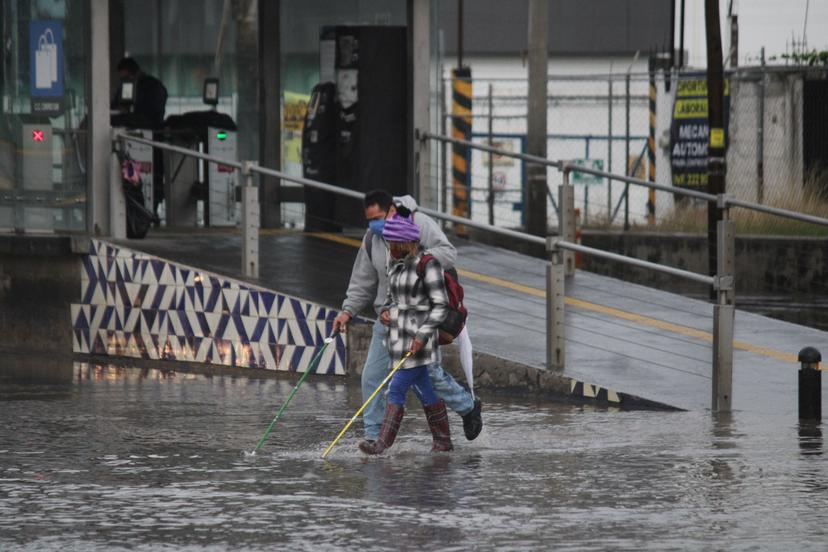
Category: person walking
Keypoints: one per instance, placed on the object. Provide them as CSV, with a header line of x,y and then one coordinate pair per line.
x,y
416,304
369,285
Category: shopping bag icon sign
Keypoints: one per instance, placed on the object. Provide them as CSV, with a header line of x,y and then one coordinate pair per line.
x,y
46,60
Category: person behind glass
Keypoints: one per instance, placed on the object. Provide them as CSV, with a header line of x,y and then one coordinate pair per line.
x,y
413,310
147,112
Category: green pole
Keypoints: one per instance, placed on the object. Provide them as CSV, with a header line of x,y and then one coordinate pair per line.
x,y
310,368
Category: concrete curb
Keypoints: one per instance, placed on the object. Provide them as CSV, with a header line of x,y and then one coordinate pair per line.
x,y
494,373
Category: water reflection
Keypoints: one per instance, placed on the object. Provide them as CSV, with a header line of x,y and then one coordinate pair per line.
x,y
810,438
150,459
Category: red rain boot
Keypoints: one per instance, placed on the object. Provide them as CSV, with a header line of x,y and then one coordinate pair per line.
x,y
439,425
388,431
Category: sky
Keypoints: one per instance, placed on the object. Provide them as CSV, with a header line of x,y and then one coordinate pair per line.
x,y
768,23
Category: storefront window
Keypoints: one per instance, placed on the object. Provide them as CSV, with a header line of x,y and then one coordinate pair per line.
x,y
42,115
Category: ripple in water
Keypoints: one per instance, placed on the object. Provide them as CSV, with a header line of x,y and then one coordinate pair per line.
x,y
127,459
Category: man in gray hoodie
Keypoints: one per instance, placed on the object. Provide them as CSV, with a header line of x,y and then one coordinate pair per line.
x,y
369,283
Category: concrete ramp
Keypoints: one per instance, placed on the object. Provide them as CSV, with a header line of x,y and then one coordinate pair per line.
x,y
623,340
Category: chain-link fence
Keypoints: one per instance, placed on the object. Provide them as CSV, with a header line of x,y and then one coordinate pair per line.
x,y
604,121
601,121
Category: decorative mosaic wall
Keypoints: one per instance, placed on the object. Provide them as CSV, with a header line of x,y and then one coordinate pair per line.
x,y
136,305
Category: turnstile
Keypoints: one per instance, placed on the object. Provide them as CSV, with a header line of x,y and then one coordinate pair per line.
x,y
190,182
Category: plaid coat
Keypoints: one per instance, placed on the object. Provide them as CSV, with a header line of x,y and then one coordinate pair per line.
x,y
415,316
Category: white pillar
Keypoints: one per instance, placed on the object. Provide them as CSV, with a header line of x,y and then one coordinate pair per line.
x,y
420,44
117,199
250,223
99,146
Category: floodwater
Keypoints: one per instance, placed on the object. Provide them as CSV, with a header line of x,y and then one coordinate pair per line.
x,y
133,459
811,311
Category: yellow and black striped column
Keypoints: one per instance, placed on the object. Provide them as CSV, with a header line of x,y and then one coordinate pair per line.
x,y
651,152
461,126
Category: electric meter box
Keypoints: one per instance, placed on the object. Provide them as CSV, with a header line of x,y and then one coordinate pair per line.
x,y
35,173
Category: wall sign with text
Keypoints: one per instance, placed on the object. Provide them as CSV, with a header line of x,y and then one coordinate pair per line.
x,y
689,132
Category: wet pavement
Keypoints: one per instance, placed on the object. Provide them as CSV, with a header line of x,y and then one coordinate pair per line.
x,y
622,336
97,458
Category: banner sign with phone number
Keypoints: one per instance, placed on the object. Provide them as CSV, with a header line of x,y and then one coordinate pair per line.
x,y
689,133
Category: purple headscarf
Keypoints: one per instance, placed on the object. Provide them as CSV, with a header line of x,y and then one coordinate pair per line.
x,y
401,229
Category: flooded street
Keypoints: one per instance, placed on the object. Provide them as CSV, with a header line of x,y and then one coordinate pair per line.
x,y
128,458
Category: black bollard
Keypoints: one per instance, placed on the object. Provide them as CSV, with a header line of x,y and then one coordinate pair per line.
x,y
810,385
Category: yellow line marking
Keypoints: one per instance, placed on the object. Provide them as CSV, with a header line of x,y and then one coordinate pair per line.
x,y
275,231
336,238
594,307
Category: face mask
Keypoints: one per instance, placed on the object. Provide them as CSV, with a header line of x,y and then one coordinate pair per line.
x,y
376,226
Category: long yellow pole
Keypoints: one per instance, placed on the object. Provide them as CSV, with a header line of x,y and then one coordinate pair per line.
x,y
365,404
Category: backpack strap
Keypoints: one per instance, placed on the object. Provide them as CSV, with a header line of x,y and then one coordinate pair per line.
x,y
421,266
367,242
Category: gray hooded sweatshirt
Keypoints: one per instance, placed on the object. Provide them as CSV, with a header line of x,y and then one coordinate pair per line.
x,y
369,277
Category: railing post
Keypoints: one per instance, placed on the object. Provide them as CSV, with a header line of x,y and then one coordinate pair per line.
x,y
566,220
117,201
490,196
250,223
723,312
555,309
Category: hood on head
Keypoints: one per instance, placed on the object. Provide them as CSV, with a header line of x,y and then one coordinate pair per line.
x,y
406,201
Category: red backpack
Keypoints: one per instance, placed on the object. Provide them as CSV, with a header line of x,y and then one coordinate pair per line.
x,y
454,323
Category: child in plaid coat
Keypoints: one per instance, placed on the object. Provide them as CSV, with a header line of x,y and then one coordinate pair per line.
x,y
414,309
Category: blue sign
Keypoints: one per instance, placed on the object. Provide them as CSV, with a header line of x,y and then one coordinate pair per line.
x,y
46,58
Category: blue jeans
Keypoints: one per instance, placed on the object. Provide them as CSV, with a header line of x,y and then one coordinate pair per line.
x,y
416,378
377,366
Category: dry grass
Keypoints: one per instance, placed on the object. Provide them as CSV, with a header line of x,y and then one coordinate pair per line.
x,y
810,198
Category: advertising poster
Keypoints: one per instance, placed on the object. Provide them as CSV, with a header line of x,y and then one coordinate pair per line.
x,y
293,120
689,132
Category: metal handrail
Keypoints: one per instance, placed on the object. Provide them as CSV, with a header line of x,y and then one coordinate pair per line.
x,y
578,248
524,156
723,311
572,167
436,214
567,166
177,149
307,182
528,238
725,201
785,213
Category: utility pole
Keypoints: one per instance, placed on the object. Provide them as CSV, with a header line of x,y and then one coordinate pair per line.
x,y
672,36
534,201
733,23
681,36
715,120
461,127
459,34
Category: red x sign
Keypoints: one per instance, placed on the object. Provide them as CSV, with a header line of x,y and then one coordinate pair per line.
x,y
37,136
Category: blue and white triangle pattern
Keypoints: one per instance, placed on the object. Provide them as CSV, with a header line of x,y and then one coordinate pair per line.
x,y
137,305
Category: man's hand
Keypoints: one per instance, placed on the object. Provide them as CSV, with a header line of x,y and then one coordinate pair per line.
x,y
416,345
385,317
341,321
